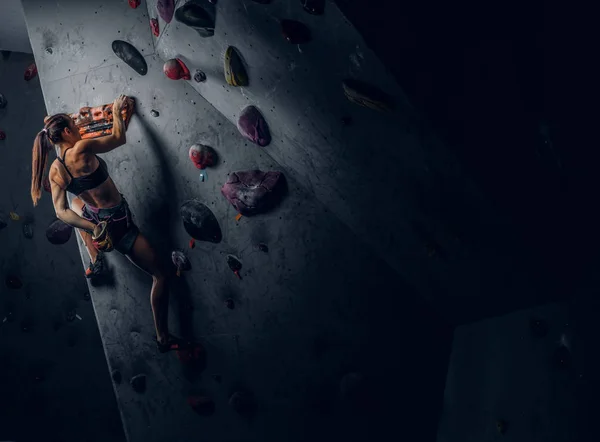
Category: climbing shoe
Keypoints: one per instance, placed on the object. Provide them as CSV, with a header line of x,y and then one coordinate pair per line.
x,y
95,268
172,343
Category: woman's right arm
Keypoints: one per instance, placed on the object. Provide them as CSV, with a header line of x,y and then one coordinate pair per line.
x,y
61,206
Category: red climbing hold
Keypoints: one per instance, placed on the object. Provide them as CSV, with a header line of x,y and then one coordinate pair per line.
x,y
235,265
191,353
176,69
154,26
202,156
2,135
134,3
30,72
192,243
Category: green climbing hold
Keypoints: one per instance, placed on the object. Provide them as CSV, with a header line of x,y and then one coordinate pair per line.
x,y
366,95
235,72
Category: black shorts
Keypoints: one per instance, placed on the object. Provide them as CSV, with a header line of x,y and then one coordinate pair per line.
x,y
121,228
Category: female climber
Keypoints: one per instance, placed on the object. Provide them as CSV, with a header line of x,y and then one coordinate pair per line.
x,y
98,210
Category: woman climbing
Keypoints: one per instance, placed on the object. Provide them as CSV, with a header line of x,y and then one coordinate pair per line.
x,y
98,210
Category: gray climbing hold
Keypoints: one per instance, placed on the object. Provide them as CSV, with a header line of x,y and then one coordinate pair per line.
x,y
138,383
367,95
116,376
199,222
253,191
3,101
180,261
253,126
58,232
130,55
154,113
197,18
49,50
199,76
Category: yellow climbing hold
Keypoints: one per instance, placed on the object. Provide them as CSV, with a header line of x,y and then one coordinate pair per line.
x,y
238,217
14,216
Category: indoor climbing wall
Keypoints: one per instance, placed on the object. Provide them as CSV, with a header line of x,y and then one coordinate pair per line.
x,y
54,380
281,300
521,377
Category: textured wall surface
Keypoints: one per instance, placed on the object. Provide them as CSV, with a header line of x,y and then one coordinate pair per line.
x,y
13,32
54,380
507,369
304,312
386,176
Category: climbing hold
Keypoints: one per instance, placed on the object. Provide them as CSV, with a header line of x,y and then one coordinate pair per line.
x,y
166,8
199,222
242,402
155,27
315,7
263,247
13,282
235,265
538,327
49,50
253,191
130,55
87,296
14,216
154,113
116,376
366,95
199,76
138,383
501,426
58,232
253,126
230,304
176,69
192,243
295,32
30,72
27,230
134,3
3,101
202,405
2,135
192,353
46,184
202,156
238,217
181,262
197,18
235,72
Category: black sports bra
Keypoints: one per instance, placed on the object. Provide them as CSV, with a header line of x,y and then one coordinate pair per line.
x,y
80,184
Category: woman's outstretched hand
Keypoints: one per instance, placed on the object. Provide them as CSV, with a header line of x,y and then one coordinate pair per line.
x,y
119,103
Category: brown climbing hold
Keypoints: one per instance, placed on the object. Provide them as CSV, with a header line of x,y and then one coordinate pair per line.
x,y
13,282
202,405
367,95
138,383
58,232
176,69
252,192
230,304
235,72
134,3
155,27
295,32
30,72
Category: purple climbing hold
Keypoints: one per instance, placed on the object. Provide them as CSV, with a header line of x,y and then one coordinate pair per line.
x,y
58,232
166,8
314,7
199,222
253,126
253,191
295,32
